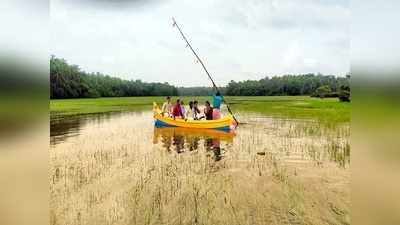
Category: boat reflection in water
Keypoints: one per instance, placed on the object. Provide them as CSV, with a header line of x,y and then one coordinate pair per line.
x,y
181,140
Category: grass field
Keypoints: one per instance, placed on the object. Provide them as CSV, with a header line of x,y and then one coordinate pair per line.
x,y
327,110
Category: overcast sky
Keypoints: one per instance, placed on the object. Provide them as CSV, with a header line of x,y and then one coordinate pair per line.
x,y
237,40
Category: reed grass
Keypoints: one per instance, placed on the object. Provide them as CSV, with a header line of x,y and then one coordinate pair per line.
x,y
112,174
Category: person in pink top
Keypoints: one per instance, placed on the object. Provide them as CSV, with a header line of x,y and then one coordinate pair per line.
x,y
177,110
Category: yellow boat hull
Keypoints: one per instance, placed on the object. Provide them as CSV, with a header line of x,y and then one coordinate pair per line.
x,y
192,133
225,124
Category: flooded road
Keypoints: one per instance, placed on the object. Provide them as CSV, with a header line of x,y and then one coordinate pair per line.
x,y
120,169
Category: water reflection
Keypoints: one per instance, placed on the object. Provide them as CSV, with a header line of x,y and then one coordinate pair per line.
x,y
181,140
214,145
63,128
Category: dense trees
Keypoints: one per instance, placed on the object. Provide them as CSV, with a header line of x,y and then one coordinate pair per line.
x,y
344,92
305,84
68,81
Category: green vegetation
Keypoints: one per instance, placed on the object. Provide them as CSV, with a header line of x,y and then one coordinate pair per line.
x,y
292,85
327,110
344,94
323,91
326,92
77,93
69,81
65,107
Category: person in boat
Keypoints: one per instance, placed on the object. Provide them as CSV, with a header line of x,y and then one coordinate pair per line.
x,y
217,100
196,111
177,110
183,109
208,111
189,113
166,108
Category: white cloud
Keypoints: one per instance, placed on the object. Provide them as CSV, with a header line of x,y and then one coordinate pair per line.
x,y
237,39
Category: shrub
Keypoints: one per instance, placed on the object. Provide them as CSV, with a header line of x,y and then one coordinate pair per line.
x,y
344,96
322,92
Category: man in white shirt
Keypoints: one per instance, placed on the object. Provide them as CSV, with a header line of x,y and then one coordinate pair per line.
x,y
166,108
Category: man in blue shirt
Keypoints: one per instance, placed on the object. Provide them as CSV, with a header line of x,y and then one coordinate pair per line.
x,y
217,100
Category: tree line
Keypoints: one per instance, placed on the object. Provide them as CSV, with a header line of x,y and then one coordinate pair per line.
x,y
305,84
69,81
322,86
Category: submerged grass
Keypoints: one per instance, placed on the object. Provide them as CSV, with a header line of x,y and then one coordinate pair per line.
x,y
112,174
276,171
328,110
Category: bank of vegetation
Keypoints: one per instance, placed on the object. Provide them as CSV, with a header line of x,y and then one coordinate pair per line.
x,y
293,85
69,81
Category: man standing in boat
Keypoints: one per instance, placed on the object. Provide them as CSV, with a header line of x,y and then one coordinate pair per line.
x,y
217,99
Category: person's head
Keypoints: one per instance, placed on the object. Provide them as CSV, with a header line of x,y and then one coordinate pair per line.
x,y
195,103
207,103
168,99
178,101
182,102
190,104
218,93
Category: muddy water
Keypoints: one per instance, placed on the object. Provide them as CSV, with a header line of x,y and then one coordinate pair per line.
x,y
120,169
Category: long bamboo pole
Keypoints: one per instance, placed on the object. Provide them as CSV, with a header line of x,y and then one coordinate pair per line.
x,y
205,69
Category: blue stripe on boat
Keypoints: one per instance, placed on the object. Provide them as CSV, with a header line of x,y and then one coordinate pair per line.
x,y
159,123
226,128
